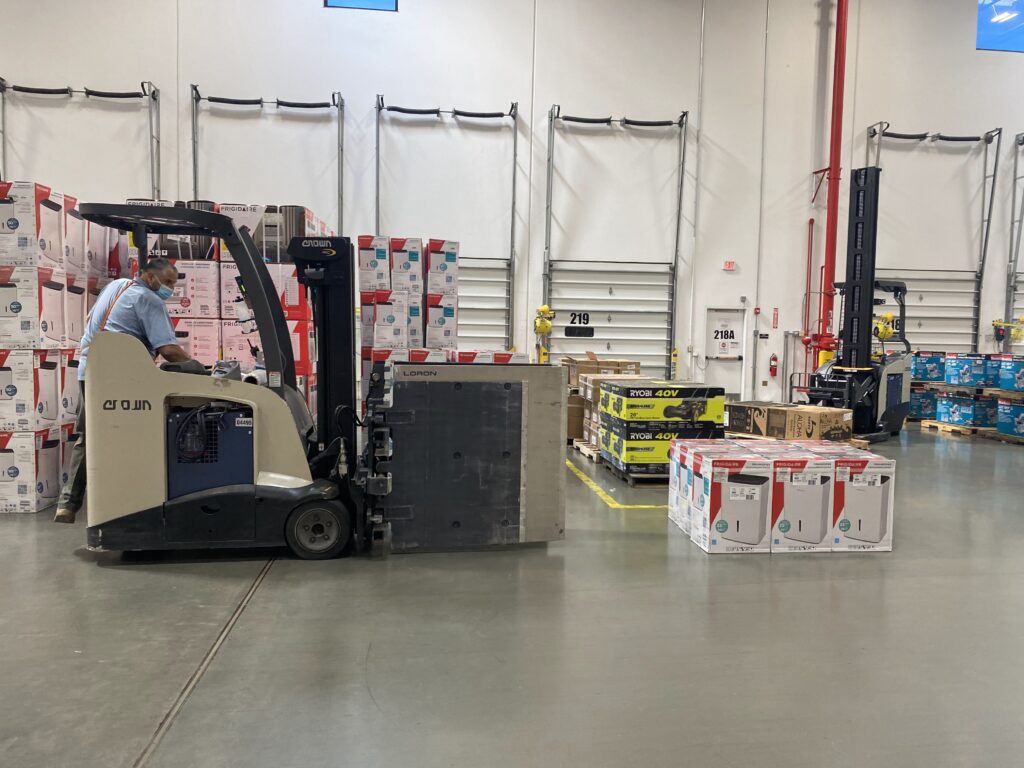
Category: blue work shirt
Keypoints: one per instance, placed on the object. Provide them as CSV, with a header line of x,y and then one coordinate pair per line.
x,y
139,312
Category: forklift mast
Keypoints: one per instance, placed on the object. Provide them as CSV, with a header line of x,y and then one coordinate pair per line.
x,y
859,287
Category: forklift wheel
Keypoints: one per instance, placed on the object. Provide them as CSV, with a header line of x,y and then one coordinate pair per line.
x,y
318,530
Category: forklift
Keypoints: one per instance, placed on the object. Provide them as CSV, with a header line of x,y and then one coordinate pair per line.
x,y
875,386
245,464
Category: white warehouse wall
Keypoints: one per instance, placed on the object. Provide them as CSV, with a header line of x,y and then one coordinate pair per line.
x,y
759,99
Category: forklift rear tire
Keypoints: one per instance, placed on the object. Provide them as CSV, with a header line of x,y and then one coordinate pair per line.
x,y
318,530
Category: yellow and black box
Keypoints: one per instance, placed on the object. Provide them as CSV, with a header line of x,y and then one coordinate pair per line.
x,y
659,400
648,442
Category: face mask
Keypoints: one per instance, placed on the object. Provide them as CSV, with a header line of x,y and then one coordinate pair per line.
x,y
164,292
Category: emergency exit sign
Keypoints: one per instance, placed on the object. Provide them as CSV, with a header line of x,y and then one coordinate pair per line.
x,y
729,266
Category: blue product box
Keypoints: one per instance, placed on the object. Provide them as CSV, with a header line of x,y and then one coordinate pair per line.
x,y
966,410
928,366
1011,417
1011,372
969,369
922,403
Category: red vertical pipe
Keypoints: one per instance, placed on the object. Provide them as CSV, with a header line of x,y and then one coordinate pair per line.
x,y
826,339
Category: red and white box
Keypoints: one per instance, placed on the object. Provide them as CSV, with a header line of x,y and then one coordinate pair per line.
x,y
441,268
70,390
31,225
29,470
391,320
301,332
32,307
197,293
367,314
417,324
68,438
94,288
76,289
97,249
291,293
687,451
374,263
230,296
802,497
487,357
74,262
407,264
865,495
235,343
731,502
199,337
30,388
119,258
442,327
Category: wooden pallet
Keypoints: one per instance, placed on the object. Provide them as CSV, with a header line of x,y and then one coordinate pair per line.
x,y
589,450
1009,394
863,445
1003,438
634,480
955,429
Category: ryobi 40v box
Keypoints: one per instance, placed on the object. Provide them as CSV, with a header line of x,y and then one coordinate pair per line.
x,y
635,442
658,400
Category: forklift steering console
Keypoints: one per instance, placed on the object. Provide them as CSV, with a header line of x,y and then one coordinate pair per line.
x,y
186,366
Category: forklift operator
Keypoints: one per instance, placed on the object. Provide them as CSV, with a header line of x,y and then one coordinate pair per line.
x,y
132,306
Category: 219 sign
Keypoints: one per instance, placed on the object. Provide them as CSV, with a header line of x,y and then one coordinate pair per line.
x,y
579,318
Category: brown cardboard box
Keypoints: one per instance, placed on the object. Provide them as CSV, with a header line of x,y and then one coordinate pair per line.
x,y
631,367
810,422
590,384
574,418
588,410
751,417
578,366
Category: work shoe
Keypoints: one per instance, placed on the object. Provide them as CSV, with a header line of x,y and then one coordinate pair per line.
x,y
65,515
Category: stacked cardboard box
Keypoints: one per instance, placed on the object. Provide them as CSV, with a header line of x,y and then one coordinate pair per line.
x,y
52,266
640,418
742,496
788,421
583,414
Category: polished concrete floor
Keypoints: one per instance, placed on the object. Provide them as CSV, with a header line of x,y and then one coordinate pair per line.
x,y
622,646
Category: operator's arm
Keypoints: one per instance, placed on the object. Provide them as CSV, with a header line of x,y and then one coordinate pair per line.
x,y
172,353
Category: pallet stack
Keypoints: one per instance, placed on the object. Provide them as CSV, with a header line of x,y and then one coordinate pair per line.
x,y
582,414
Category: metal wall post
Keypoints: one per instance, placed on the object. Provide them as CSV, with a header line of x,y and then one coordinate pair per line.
x,y
376,186
553,114
684,120
153,110
195,140
1016,222
509,333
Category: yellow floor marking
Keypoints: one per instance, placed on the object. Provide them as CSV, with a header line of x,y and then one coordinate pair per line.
x,y
603,495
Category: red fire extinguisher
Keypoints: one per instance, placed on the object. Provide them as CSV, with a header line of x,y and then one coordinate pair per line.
x,y
773,366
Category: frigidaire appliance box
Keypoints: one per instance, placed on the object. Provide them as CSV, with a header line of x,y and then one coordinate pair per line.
x,y
97,249
70,390
74,239
197,293
290,292
235,338
731,502
407,264
29,470
442,270
374,263
31,307
29,389
230,297
31,225
242,215
865,494
685,451
199,337
802,503
442,328
75,301
391,320
68,438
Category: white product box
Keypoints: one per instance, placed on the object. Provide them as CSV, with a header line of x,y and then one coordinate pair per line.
x,y
675,470
442,327
407,264
865,495
487,357
74,239
417,320
197,293
69,388
374,263
94,289
366,317
119,259
29,470
441,270
235,343
199,337
248,216
31,225
391,320
291,293
68,438
75,303
30,388
229,293
97,249
31,307
687,451
731,502
802,493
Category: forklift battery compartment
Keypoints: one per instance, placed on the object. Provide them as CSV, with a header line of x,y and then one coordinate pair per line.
x,y
208,447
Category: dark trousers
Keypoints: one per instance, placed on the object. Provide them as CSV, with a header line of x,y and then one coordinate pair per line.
x,y
72,495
